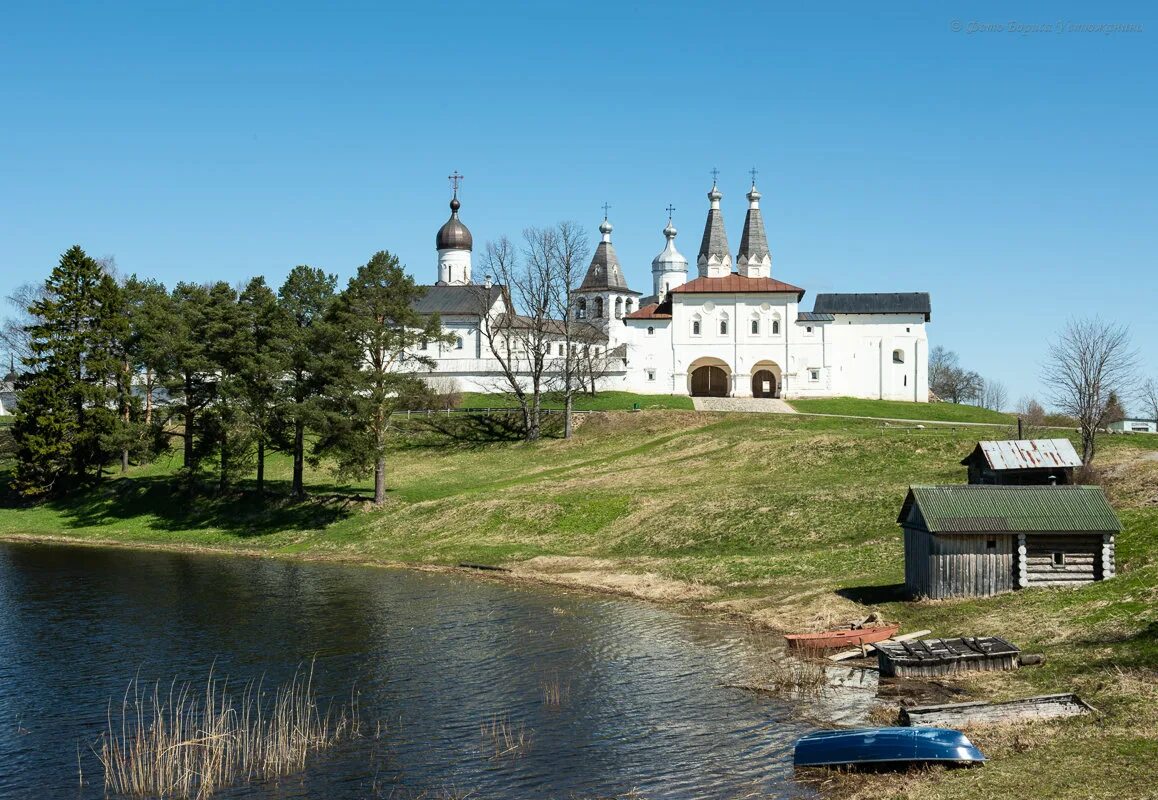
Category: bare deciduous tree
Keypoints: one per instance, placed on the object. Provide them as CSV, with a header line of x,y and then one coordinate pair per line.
x,y
566,247
14,330
1148,397
1089,361
949,380
993,395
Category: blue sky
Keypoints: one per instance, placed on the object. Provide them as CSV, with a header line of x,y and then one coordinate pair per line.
x,y
1010,174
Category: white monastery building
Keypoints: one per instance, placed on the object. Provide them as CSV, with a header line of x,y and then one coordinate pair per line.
x,y
732,329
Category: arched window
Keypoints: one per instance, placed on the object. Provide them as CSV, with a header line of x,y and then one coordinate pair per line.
x,y
619,308
697,326
650,330
755,327
898,356
581,309
723,324
458,343
598,308
775,327
627,305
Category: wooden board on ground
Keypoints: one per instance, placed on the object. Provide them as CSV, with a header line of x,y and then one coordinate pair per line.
x,y
868,649
952,715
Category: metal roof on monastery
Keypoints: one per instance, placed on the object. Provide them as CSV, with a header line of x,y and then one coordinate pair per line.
x,y
879,303
1016,509
812,316
1027,454
653,310
469,299
737,284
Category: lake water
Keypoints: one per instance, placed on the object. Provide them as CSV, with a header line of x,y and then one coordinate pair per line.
x,y
434,658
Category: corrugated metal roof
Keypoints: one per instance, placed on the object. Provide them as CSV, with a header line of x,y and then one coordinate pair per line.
x,y
1017,509
812,316
880,303
1027,454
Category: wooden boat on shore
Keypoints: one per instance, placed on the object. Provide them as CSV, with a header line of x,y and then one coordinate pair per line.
x,y
1047,706
845,637
885,746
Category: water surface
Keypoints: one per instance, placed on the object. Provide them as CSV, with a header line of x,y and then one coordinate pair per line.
x,y
434,657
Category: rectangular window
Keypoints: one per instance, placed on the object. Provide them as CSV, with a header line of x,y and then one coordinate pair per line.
x,y
1059,559
651,374
755,327
813,374
990,544
560,349
422,345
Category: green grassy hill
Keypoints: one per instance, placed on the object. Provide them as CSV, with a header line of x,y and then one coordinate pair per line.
x,y
787,519
896,409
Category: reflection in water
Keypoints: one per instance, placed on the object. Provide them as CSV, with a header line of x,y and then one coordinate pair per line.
x,y
434,657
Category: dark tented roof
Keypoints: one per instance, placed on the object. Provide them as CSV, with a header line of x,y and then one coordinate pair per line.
x,y
1017,509
605,272
715,241
882,303
753,242
457,299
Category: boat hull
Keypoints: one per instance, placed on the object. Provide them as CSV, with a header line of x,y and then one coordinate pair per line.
x,y
885,746
831,640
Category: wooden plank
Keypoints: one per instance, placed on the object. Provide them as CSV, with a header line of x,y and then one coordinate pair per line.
x,y
844,655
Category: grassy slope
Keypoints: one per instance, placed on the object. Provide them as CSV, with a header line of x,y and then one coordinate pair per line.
x,y
790,518
896,409
604,401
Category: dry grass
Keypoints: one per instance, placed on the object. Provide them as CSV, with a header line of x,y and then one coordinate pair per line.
x,y
555,692
191,743
503,739
805,675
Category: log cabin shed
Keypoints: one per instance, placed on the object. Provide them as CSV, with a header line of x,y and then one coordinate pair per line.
x,y
979,540
1018,462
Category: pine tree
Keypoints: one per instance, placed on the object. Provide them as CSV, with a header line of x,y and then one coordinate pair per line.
x,y
380,334
306,298
68,405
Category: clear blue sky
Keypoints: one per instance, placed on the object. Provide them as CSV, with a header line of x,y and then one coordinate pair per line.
x,y
1011,175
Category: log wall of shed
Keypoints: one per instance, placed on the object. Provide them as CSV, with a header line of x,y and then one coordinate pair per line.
x,y
1082,557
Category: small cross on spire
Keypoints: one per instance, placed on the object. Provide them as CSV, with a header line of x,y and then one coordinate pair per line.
x,y
606,208
715,175
753,172
454,179
670,208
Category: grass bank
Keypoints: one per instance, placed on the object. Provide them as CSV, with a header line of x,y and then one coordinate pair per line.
x,y
896,409
604,401
786,520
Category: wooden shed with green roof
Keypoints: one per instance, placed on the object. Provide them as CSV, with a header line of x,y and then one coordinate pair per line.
x,y
978,540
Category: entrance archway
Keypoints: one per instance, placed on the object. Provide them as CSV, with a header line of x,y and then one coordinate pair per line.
x,y
766,379
709,377
764,384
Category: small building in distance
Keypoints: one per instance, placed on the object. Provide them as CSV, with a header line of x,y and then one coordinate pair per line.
x,y
1023,462
979,540
1133,426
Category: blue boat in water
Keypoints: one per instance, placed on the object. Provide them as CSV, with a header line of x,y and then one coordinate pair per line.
x,y
885,746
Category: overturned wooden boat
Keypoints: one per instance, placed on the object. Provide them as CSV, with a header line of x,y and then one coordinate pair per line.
x,y
884,746
1046,706
845,637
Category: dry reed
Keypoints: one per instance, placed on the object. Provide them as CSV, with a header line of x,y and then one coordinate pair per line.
x,y
804,675
190,743
555,692
505,739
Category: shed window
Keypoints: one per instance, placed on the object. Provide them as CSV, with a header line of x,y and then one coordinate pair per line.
x,y
991,544
1059,559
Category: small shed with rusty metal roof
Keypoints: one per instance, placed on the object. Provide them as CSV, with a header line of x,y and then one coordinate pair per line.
x,y
979,540
1023,462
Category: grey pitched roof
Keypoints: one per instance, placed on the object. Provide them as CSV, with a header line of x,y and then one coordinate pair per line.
x,y
812,316
754,242
715,241
1018,509
1026,454
882,303
604,272
457,299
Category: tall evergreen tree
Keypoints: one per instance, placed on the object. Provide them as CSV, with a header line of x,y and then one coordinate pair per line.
x,y
381,332
305,298
68,406
256,364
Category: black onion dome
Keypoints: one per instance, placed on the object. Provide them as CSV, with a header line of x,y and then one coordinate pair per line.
x,y
453,235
